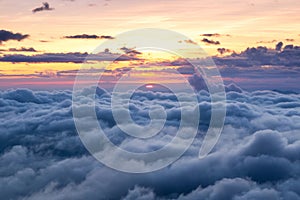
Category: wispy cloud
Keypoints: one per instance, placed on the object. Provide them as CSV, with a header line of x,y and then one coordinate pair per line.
x,y
211,35
66,57
106,37
290,40
130,51
87,36
189,41
23,49
45,7
207,41
266,42
214,35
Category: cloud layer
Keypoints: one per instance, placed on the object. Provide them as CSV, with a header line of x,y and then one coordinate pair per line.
x,y
260,56
74,57
257,156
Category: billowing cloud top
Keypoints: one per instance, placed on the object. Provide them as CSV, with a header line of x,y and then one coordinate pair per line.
x,y
257,156
288,56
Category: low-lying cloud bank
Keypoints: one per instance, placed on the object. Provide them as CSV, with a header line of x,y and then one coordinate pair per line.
x,y
287,56
257,156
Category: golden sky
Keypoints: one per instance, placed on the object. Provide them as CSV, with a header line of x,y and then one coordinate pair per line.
x,y
237,25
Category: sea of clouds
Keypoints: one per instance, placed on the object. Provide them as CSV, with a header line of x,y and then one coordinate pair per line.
x,y
256,157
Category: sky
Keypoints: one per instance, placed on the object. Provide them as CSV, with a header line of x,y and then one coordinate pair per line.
x,y
221,28
63,138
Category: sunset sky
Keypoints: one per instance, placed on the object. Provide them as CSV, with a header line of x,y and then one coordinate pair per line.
x,y
227,25
153,100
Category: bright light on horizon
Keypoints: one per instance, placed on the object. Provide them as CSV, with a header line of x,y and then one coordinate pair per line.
x,y
149,86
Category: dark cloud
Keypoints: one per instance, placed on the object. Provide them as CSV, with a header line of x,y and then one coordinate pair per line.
x,y
257,155
130,51
224,50
83,36
263,56
46,57
186,70
197,82
290,47
8,35
278,46
45,7
66,57
211,35
214,35
23,49
86,36
106,37
207,41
